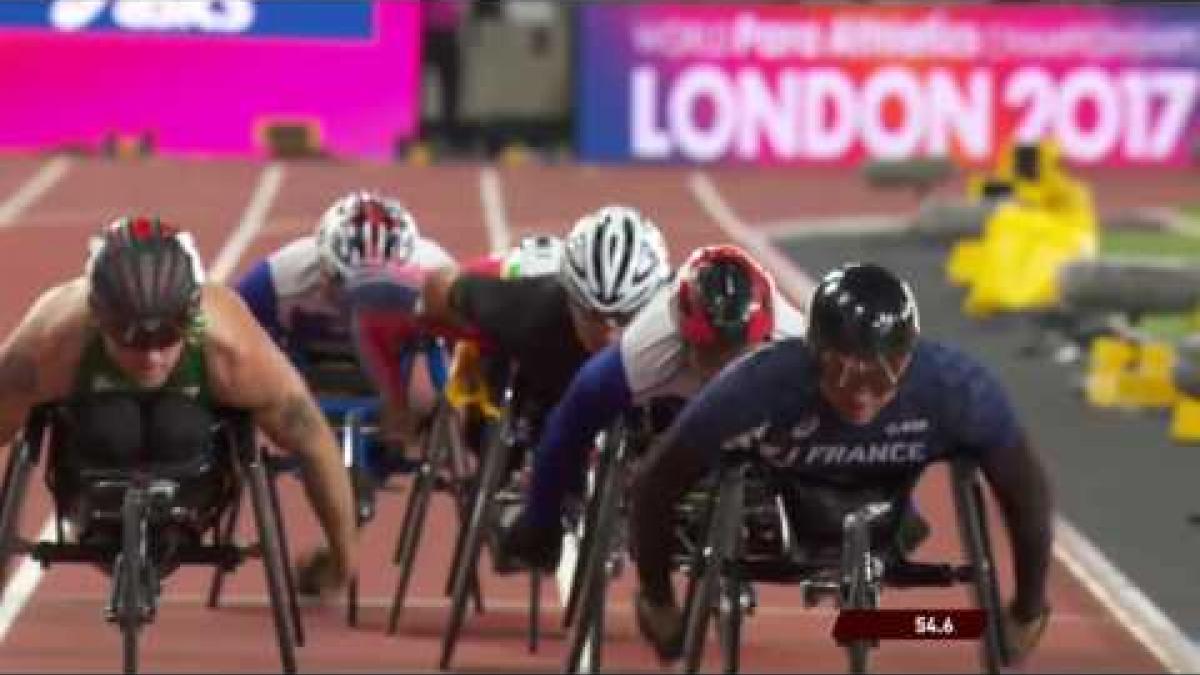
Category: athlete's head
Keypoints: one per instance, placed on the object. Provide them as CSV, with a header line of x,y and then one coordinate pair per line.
x,y
363,229
862,328
144,285
724,304
535,255
615,260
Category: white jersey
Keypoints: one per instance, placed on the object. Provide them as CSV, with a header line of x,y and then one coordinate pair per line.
x,y
653,349
286,294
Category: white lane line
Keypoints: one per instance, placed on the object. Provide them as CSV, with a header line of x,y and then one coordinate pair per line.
x,y
1120,596
495,216
22,585
1129,606
840,226
756,242
253,219
29,192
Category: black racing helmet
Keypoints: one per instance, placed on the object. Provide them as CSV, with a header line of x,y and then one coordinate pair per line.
x,y
863,310
144,280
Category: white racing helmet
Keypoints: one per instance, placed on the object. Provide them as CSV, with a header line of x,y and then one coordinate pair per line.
x,y
615,260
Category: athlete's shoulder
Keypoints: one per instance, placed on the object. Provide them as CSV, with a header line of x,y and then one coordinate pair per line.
x,y
295,268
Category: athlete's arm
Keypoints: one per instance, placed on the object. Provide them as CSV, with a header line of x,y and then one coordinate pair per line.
x,y
248,371
39,356
986,426
722,415
597,394
257,289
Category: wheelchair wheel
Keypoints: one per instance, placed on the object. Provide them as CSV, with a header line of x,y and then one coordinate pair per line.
x,y
17,473
860,583
437,451
493,464
272,554
709,561
591,575
130,572
972,521
730,615
591,516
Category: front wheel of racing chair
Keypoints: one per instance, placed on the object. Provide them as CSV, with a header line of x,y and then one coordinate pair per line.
x,y
24,453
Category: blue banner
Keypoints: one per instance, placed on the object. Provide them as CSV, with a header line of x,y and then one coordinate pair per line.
x,y
337,19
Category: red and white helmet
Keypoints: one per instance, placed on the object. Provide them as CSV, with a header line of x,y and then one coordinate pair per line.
x,y
363,229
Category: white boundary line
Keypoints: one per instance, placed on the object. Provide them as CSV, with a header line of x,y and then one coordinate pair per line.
x,y
253,219
21,587
495,217
1132,609
1127,603
29,192
840,226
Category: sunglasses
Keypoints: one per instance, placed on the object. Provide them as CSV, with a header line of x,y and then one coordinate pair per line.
x,y
879,375
141,339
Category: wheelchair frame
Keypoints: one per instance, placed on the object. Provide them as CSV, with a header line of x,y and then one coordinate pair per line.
x,y
135,586
860,578
499,444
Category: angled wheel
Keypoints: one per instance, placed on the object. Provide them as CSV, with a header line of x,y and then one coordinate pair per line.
x,y
971,511
493,465
709,560
591,576
275,566
12,501
437,451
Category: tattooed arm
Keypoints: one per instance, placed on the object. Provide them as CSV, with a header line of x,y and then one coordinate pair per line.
x,y
38,358
248,371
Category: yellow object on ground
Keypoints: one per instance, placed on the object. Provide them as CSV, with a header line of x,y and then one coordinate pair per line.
x,y
1124,374
1047,222
1185,420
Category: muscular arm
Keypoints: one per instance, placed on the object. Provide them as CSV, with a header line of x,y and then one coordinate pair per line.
x,y
597,394
1022,489
38,358
248,371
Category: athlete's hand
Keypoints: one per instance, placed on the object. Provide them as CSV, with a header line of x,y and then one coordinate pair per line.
x,y
662,626
1022,634
319,573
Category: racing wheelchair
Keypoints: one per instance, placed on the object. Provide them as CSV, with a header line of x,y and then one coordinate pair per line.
x,y
734,531
139,525
725,559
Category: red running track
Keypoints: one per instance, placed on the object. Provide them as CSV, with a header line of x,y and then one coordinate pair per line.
x,y
60,626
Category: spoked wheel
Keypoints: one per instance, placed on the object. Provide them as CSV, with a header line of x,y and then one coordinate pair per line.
x,y
493,465
273,563
437,451
972,522
129,576
709,559
591,579
12,500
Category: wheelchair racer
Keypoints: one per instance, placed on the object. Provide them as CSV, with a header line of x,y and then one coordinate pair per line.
x,y
722,304
863,403
142,350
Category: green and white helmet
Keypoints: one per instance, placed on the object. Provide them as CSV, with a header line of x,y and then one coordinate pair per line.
x,y
534,256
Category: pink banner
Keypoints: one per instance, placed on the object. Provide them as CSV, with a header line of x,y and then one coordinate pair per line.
x,y
199,88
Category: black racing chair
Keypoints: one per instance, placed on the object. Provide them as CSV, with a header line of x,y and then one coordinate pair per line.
x,y
139,526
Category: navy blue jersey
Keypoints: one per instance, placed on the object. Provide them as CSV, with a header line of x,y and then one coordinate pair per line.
x,y
947,404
